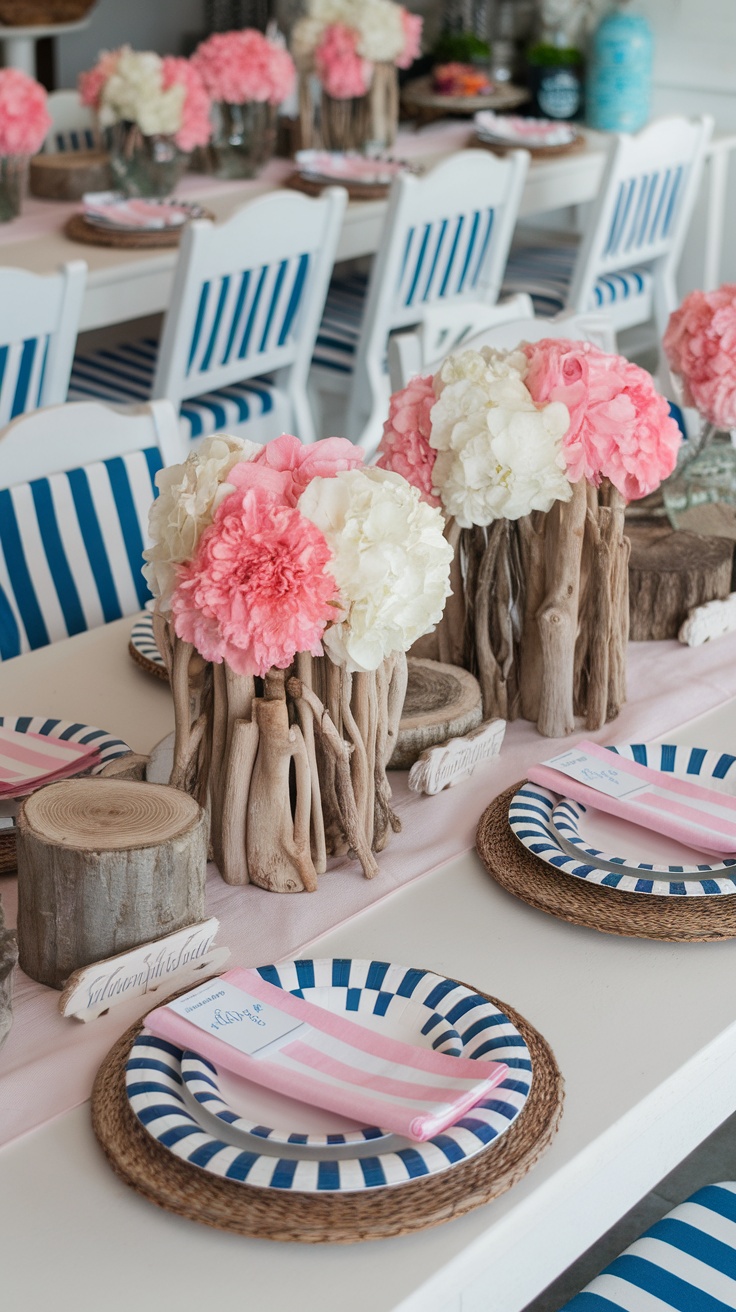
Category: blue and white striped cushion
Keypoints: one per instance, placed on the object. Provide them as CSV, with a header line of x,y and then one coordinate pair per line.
x,y
124,374
22,368
687,1262
545,272
339,333
70,550
246,314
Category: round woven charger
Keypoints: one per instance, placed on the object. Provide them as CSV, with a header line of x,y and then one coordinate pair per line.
x,y
707,919
356,191
536,152
292,1217
159,671
78,229
8,860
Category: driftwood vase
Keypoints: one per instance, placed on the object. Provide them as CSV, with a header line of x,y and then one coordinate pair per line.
x,y
356,123
540,612
293,766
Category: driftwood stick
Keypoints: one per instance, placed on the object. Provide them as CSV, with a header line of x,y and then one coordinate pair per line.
x,y
599,628
304,666
241,759
359,720
619,605
558,618
493,688
451,628
278,853
531,540
335,837
382,791
162,635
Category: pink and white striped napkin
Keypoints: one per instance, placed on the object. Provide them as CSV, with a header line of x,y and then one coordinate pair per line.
x,y
29,760
697,816
317,1057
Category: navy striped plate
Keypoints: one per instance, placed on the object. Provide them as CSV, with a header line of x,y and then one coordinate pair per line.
x,y
108,747
551,827
142,639
456,1020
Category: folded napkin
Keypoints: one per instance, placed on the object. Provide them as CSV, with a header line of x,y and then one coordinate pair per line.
x,y
29,760
697,816
324,1059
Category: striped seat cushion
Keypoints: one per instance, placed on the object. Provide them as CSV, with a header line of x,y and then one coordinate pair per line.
x,y
124,374
545,272
22,369
339,333
70,550
687,1262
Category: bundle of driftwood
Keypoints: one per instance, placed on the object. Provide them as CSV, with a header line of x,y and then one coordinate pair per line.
x,y
540,612
349,124
293,766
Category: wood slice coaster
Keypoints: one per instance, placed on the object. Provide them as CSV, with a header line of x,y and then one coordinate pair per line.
x,y
442,701
355,190
78,229
8,857
670,571
69,174
632,915
159,671
179,1187
536,152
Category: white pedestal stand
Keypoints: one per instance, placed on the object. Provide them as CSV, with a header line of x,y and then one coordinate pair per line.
x,y
19,43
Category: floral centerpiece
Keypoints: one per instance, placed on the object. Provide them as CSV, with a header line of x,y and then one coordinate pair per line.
x,y
247,75
24,122
532,455
154,112
353,48
290,580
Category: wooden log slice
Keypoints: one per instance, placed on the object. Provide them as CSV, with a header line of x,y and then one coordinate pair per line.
x,y
442,701
69,174
669,573
103,866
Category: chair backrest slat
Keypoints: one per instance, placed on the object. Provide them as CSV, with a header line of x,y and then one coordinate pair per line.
x,y
73,125
39,318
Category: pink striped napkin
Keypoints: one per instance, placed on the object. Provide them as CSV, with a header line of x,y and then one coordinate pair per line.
x,y
324,1059
697,816
29,760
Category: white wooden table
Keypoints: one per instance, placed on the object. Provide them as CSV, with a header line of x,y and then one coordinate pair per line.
x,y
644,1033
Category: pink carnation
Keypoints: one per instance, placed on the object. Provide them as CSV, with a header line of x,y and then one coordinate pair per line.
x,y
340,69
286,466
196,128
413,24
24,116
258,589
91,83
700,344
620,427
405,445
240,66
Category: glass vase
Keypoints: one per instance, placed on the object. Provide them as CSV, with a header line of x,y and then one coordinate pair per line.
x,y
701,494
244,138
142,165
13,175
361,123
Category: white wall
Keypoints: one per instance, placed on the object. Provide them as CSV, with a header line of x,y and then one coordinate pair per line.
x,y
144,24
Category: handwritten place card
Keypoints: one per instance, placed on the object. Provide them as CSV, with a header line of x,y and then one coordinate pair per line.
x,y
237,1018
449,763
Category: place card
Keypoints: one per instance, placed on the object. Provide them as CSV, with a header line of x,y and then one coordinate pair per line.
x,y
238,1019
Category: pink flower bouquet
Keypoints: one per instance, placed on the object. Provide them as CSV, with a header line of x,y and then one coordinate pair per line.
x,y
24,116
162,96
243,66
700,344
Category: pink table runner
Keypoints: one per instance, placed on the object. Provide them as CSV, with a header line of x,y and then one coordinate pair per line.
x,y
48,1062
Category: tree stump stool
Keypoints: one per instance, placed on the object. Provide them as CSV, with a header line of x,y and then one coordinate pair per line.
x,y
442,701
670,572
104,865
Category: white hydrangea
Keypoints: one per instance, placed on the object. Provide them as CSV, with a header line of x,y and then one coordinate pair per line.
x,y
188,496
391,562
378,23
134,94
499,456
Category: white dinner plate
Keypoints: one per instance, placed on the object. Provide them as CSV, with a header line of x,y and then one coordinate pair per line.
x,y
143,641
108,747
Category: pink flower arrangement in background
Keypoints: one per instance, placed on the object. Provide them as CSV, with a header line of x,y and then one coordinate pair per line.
x,y
238,67
339,67
91,83
700,344
405,445
620,427
413,24
196,128
162,95
24,115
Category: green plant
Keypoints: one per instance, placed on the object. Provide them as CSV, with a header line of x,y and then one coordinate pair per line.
x,y
461,48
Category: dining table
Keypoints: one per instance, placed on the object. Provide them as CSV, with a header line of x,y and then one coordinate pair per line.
x,y
644,1033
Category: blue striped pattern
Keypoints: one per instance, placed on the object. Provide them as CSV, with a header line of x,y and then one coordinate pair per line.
x,y
70,550
108,748
76,139
444,259
545,273
644,213
246,314
22,370
143,641
124,374
267,1158
686,1262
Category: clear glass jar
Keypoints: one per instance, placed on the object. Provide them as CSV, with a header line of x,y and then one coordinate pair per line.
x,y
244,138
701,494
13,176
141,165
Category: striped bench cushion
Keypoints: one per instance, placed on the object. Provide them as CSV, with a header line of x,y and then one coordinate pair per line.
x,y
687,1262
124,374
339,333
70,550
545,272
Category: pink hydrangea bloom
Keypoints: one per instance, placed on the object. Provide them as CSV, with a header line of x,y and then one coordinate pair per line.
x,y
258,589
620,427
196,128
700,344
291,465
405,445
413,24
240,66
340,69
90,84
24,116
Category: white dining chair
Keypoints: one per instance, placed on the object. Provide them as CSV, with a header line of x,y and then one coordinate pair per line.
x,y
237,342
73,125
73,528
445,239
627,259
39,318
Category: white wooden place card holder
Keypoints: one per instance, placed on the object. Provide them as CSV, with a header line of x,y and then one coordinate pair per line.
x,y
165,964
451,762
713,619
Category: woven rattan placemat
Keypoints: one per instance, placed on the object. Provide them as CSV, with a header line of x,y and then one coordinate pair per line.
x,y
634,915
356,191
148,665
78,229
293,1217
536,152
8,862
